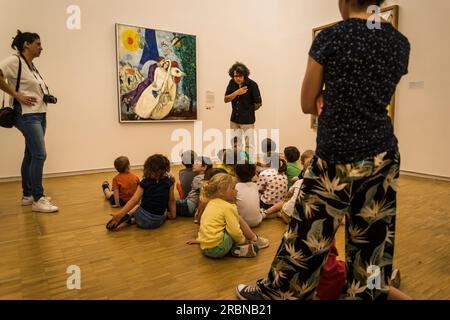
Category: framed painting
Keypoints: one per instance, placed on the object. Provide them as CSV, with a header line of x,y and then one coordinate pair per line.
x,y
156,75
389,14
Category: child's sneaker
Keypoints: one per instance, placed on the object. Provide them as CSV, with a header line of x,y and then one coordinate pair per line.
x,y
44,205
395,278
27,200
105,185
245,251
261,242
263,213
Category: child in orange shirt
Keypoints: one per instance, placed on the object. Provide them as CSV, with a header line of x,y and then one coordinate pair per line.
x,y
124,184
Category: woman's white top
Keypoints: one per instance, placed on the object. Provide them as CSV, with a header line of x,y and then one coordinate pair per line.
x,y
29,83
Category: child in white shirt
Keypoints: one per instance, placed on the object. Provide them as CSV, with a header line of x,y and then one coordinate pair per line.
x,y
247,199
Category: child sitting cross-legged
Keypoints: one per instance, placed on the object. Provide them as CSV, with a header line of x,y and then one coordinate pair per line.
x,y
229,158
285,208
220,230
268,148
186,175
123,185
272,185
155,194
247,199
292,155
203,200
186,207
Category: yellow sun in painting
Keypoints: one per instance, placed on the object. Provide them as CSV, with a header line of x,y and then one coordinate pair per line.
x,y
130,39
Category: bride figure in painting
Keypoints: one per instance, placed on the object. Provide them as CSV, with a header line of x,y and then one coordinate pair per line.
x,y
155,96
157,99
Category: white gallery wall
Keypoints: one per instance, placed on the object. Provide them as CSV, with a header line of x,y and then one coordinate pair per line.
x,y
271,36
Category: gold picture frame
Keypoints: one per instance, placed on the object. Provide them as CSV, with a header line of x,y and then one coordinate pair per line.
x,y
390,14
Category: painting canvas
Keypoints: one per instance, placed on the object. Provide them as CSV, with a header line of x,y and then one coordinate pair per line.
x,y
156,74
389,14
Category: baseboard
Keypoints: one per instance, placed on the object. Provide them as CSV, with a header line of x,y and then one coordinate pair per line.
x,y
424,175
103,170
70,173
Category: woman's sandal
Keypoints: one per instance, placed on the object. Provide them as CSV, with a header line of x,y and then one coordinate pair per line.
x,y
110,227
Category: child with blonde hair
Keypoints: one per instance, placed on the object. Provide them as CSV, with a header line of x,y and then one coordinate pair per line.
x,y
203,201
155,194
220,232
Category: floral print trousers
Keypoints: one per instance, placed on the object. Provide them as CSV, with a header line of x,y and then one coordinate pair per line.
x,y
365,193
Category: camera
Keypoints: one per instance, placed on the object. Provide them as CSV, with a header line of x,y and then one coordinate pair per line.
x,y
48,98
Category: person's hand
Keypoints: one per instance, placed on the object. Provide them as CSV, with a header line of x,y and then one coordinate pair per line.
x,y
115,219
192,241
171,177
294,179
241,91
25,100
319,104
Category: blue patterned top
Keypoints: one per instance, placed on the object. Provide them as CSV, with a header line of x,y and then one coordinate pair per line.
x,y
362,68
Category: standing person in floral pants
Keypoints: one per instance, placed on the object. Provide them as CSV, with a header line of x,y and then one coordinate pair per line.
x,y
356,167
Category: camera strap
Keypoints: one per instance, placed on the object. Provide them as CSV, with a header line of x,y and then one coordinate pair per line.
x,y
34,70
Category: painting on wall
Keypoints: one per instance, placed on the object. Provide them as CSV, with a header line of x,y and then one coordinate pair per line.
x,y
156,75
389,14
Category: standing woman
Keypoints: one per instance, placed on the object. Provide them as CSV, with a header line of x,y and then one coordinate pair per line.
x,y
355,170
33,96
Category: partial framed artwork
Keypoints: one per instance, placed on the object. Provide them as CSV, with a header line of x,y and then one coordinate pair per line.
x,y
156,75
389,14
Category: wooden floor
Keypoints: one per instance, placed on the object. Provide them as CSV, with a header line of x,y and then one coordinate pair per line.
x,y
37,248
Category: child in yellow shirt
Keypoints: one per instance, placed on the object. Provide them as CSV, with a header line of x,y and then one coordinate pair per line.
x,y
220,232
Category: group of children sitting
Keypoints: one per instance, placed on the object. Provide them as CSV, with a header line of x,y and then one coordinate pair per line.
x,y
226,200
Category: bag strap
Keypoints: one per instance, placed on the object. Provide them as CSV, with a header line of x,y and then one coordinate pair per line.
x,y
35,71
19,76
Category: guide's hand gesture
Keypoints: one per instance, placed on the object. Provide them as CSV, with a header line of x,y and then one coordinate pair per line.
x,y
241,91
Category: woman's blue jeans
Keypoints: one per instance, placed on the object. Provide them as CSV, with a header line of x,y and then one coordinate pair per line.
x,y
33,127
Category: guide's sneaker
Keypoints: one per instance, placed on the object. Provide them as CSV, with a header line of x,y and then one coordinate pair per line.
x,y
44,205
27,200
